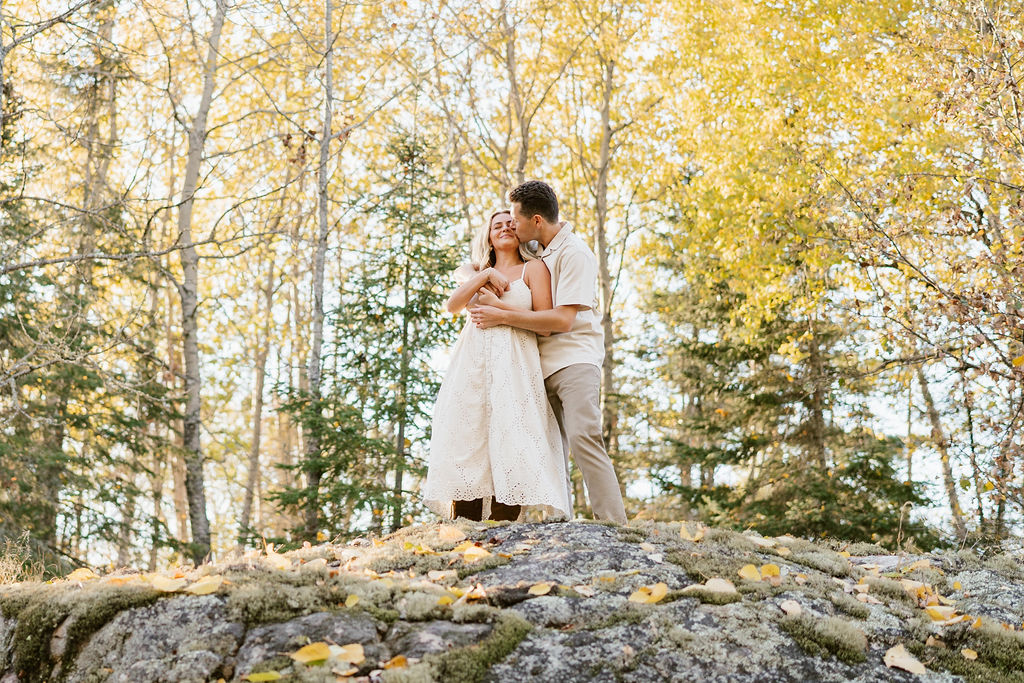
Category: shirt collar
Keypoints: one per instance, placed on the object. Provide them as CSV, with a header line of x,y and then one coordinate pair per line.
x,y
559,239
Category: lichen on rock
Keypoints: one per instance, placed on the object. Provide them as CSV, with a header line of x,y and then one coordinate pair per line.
x,y
569,601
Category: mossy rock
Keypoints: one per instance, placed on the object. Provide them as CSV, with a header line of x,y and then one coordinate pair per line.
x,y
1000,653
44,608
468,664
822,636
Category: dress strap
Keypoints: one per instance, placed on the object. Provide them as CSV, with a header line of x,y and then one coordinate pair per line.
x,y
522,275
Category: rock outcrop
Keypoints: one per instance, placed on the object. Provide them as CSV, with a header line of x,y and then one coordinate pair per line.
x,y
531,602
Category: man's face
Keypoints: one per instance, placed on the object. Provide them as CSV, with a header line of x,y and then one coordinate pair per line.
x,y
526,226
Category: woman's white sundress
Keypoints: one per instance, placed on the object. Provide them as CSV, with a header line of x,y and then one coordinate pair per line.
x,y
494,433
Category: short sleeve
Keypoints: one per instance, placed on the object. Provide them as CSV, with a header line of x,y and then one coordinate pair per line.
x,y
576,280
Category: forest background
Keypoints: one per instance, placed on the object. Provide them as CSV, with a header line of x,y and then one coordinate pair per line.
x,y
228,229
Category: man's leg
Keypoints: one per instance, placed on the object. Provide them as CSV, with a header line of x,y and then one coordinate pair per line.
x,y
556,407
578,390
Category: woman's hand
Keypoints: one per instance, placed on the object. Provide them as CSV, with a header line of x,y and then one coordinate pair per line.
x,y
486,297
496,282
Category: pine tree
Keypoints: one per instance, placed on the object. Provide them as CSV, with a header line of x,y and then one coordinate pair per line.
x,y
374,415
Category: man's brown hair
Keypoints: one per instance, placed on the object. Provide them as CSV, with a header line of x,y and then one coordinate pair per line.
x,y
536,198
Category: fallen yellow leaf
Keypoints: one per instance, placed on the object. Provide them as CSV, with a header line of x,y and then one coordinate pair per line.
x,y
649,594
769,570
717,585
1018,361
957,586
166,585
81,574
750,573
898,658
686,535
262,676
540,588
351,600
352,653
462,547
474,554
206,585
844,553
445,600
314,653
783,550
968,653
396,662
940,613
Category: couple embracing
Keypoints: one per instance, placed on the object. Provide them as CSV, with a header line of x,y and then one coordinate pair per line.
x,y
522,391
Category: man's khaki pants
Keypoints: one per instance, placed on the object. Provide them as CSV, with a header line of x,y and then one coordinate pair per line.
x,y
575,394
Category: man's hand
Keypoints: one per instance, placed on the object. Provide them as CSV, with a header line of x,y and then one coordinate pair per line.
x,y
486,316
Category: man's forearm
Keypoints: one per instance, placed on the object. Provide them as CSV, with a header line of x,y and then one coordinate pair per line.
x,y
546,322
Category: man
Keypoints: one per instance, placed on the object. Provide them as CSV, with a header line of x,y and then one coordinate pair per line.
x,y
571,356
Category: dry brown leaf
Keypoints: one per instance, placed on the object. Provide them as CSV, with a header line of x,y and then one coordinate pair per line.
x,y
934,642
585,591
898,658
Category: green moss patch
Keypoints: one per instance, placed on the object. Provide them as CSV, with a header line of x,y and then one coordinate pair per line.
x,y
822,636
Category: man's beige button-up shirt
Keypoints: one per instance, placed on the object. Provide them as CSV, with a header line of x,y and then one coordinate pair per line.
x,y
573,269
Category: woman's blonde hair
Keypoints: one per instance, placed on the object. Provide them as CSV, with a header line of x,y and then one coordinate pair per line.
x,y
481,250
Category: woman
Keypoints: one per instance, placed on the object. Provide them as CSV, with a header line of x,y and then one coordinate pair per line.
x,y
495,445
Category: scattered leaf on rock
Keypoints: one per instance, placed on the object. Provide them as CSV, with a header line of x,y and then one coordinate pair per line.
x,y
82,574
445,600
351,600
791,607
649,594
263,676
276,560
474,554
396,662
542,588
761,541
968,653
206,585
898,658
686,535
167,585
585,590
769,570
314,653
750,573
352,653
